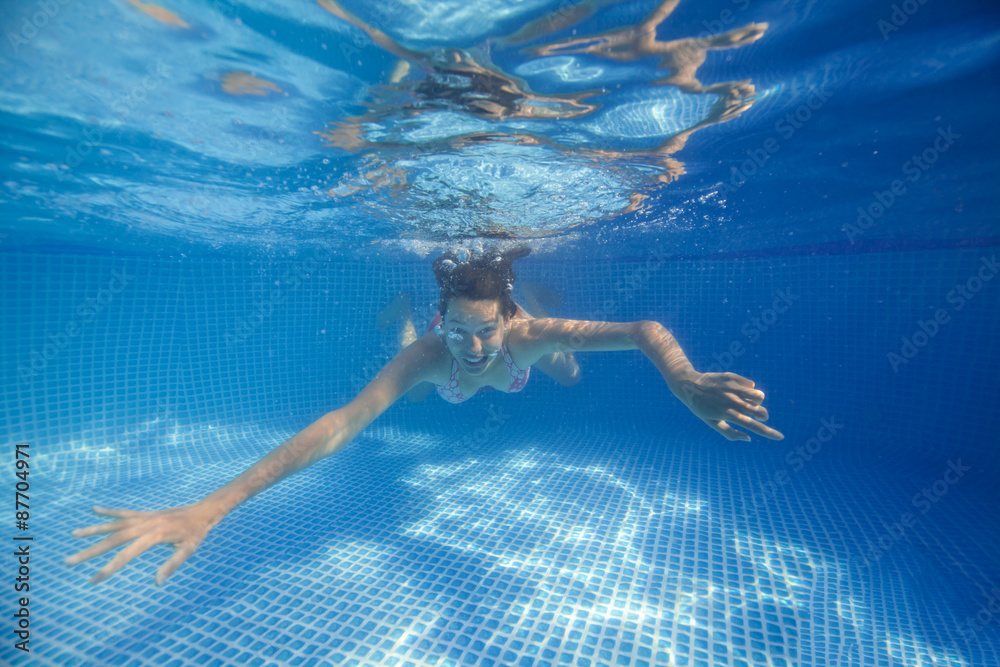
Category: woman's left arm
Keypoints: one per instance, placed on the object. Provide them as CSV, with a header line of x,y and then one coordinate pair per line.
x,y
715,398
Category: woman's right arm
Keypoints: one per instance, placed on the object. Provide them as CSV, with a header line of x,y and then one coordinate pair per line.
x,y
185,527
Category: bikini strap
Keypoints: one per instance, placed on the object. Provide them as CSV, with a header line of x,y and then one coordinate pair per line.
x,y
507,359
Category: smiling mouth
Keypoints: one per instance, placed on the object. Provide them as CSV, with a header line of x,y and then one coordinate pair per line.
x,y
476,362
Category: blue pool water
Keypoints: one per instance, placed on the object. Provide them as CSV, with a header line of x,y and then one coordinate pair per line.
x,y
206,204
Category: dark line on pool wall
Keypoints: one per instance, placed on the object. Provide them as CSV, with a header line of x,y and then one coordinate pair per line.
x,y
864,247
834,248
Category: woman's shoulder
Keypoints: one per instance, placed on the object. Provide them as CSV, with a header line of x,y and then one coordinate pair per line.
x,y
433,358
523,341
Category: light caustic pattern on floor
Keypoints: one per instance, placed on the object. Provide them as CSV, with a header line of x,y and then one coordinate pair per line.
x,y
602,551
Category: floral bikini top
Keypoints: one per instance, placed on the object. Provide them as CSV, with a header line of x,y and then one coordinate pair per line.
x,y
451,393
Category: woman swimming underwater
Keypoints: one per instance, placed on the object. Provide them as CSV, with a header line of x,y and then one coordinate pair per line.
x,y
484,340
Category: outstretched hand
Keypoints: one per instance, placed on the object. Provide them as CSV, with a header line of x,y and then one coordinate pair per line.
x,y
718,398
184,527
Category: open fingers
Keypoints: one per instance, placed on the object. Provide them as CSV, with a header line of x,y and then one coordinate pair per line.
x,y
123,557
743,387
104,545
174,562
101,528
121,514
738,379
758,412
745,410
766,431
747,393
728,431
749,404
122,522
752,424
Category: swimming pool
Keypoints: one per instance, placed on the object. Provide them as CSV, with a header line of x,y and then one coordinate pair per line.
x,y
205,210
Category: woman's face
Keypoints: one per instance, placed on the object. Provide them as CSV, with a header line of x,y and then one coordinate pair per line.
x,y
474,333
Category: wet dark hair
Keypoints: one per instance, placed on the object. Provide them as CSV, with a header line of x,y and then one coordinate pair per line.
x,y
481,276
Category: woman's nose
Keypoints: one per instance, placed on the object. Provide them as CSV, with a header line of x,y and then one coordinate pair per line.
x,y
475,345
